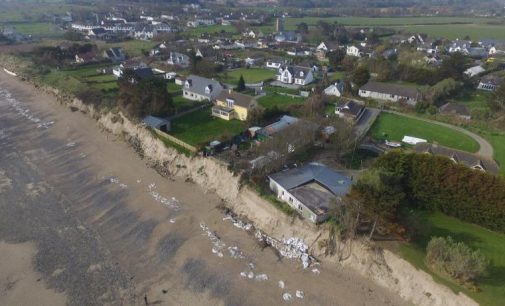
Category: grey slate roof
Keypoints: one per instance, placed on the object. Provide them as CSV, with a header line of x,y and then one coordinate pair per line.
x,y
350,107
468,159
278,126
399,90
155,122
198,85
335,182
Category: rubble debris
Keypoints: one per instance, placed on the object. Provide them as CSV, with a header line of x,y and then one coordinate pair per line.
x,y
316,271
218,245
238,223
261,277
235,252
287,296
171,220
293,248
281,284
70,144
243,274
250,275
172,203
300,294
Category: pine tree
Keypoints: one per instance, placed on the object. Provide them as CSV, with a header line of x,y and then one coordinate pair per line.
x,y
241,84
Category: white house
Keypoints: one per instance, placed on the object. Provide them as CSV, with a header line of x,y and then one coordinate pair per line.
x,y
313,190
336,89
178,59
389,92
275,64
353,51
474,71
490,82
295,75
198,88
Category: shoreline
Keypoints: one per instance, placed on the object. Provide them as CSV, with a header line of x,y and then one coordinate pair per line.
x,y
243,201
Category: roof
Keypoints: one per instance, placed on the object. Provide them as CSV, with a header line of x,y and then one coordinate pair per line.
x,y
239,99
491,79
143,73
198,85
350,107
336,182
468,159
454,109
155,122
278,126
297,71
399,90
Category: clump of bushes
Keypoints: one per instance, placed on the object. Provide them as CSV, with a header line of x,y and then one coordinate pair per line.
x,y
456,259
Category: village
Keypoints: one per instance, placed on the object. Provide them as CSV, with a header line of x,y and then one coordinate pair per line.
x,y
303,110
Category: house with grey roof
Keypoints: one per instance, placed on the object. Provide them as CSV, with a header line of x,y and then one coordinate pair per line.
x,y
313,190
198,88
470,160
274,128
350,110
390,92
115,54
178,59
295,75
490,82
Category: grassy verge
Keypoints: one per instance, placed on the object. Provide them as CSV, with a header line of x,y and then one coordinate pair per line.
x,y
275,100
491,244
282,206
251,75
394,127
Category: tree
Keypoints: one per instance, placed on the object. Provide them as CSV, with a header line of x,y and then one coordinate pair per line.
x,y
453,67
360,76
335,58
456,259
241,84
442,90
302,28
499,98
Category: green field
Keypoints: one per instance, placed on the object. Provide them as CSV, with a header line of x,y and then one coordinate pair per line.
x,y
453,31
394,127
251,75
37,29
474,99
491,244
78,79
280,101
132,47
199,128
217,28
498,143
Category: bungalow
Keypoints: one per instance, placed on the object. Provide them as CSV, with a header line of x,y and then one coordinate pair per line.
x,y
178,59
469,160
275,63
88,57
455,109
313,190
295,75
389,92
490,82
233,105
474,71
197,88
350,110
336,89
115,54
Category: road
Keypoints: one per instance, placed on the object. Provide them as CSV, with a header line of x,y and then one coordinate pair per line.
x,y
108,230
485,150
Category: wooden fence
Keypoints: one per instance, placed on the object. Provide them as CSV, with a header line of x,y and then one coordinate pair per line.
x,y
177,141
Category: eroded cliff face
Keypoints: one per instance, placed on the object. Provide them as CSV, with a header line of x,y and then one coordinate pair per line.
x,y
381,266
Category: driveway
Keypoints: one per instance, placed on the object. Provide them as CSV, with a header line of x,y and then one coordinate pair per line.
x,y
365,122
486,149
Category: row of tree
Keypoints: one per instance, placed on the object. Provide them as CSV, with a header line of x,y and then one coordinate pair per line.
x,y
401,181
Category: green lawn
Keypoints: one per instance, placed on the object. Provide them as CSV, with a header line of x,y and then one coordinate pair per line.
x,y
132,48
251,75
491,244
199,128
453,31
38,29
474,99
275,100
394,127
498,143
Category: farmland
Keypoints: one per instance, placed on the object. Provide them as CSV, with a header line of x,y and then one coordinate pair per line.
x,y
217,28
394,127
491,244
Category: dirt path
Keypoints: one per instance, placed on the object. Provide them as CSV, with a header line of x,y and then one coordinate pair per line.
x,y
109,230
486,149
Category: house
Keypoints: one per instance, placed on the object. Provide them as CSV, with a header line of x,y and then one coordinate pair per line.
x,y
389,92
295,75
288,37
274,128
455,109
350,110
253,61
132,64
97,32
313,190
233,105
490,82
198,88
158,49
469,160
115,54
178,59
354,51
275,63
327,46
336,89
157,123
84,58
474,71
459,46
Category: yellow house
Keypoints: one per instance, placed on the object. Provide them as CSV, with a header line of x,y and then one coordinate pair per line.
x,y
233,105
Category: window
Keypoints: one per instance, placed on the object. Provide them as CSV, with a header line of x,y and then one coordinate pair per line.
x,y
300,207
230,102
283,192
290,199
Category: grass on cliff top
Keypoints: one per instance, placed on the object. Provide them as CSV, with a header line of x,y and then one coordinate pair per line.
x,y
491,244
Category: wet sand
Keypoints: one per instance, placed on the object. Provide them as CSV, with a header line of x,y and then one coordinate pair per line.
x,y
109,230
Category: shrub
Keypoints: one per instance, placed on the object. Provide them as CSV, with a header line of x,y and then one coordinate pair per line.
x,y
455,259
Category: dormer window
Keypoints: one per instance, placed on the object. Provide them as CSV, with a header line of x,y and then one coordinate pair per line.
x,y
302,74
188,83
208,89
230,102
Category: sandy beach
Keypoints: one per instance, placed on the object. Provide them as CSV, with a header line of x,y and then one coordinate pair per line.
x,y
84,221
